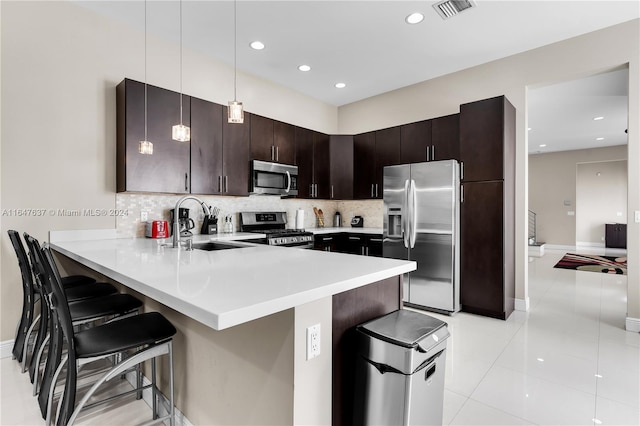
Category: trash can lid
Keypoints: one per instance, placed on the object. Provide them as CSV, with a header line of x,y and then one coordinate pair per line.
x,y
402,327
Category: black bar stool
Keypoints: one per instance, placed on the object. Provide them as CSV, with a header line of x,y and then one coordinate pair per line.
x,y
135,338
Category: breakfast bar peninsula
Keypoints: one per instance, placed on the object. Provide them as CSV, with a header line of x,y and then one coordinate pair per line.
x,y
242,312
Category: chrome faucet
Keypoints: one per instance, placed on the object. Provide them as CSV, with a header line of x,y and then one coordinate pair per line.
x,y
176,222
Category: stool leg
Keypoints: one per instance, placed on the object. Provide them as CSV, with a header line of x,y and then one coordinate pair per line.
x,y
172,419
154,389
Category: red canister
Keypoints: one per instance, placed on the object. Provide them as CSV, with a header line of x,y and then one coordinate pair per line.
x,y
157,229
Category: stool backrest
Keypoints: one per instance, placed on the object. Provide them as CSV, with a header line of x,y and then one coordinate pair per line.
x,y
54,354
60,310
28,294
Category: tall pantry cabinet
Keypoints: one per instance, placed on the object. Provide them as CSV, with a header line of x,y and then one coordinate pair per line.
x,y
487,218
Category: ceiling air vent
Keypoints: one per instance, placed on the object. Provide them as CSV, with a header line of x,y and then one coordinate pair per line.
x,y
449,8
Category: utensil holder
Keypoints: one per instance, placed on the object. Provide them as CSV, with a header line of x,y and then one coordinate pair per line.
x,y
319,222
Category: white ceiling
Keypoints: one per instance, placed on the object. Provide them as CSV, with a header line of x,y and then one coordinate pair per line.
x,y
561,116
367,44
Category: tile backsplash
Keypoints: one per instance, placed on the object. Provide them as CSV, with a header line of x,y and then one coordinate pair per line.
x,y
157,207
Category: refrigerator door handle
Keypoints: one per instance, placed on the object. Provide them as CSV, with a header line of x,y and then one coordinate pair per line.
x,y
414,216
405,215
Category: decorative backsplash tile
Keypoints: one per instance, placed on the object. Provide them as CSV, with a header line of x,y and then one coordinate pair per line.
x,y
158,206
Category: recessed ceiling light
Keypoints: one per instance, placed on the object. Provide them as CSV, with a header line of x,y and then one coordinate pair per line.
x,y
257,45
598,118
414,18
543,145
304,68
528,128
599,139
341,85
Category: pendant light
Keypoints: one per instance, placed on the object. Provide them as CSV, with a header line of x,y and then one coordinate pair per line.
x,y
144,146
236,111
180,132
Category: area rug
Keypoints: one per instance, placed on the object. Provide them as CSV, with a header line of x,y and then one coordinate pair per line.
x,y
594,263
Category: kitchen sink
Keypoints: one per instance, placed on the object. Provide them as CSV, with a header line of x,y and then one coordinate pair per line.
x,y
211,246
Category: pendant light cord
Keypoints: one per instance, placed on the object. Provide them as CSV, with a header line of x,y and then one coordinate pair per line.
x,y
145,70
180,62
235,51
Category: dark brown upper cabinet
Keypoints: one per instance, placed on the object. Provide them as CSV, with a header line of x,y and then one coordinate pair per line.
x,y
284,140
364,165
168,168
312,159
487,146
371,153
206,147
415,142
236,139
272,140
341,164
304,161
445,138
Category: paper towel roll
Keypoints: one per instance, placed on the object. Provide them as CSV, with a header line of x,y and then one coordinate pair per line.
x,y
299,219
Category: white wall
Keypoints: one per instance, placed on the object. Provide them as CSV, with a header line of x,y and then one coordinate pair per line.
x,y
60,66
552,181
592,53
601,197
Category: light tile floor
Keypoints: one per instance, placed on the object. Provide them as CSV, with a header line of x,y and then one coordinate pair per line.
x,y
568,361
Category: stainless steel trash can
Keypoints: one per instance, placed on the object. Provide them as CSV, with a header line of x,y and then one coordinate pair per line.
x,y
400,370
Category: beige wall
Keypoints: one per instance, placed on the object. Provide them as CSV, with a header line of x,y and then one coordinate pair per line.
x,y
60,66
601,197
552,181
592,53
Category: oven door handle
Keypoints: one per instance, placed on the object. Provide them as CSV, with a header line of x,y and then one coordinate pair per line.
x,y
288,182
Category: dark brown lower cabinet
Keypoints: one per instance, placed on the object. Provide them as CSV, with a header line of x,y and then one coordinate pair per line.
x,y
615,235
351,308
487,260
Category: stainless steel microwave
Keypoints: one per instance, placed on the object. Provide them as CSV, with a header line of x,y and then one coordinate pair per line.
x,y
273,178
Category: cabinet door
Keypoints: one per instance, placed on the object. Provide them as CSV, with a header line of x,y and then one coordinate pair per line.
x,y
415,142
321,170
355,244
284,139
326,242
168,168
387,154
262,147
482,139
206,147
341,147
445,137
364,166
235,155
482,266
374,245
304,161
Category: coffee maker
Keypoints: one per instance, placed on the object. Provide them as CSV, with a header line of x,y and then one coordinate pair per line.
x,y
185,222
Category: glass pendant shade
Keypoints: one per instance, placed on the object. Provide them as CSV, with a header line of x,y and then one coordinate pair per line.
x,y
145,147
181,133
236,112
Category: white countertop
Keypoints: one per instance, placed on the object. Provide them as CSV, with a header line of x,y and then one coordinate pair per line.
x,y
332,230
224,288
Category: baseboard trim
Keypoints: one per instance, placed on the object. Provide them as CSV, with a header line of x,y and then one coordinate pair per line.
x,y
522,304
632,324
589,244
559,247
5,348
181,419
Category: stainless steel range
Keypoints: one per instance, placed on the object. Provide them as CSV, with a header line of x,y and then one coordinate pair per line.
x,y
273,224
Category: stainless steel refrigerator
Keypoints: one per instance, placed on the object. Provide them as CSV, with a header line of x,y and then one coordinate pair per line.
x,y
422,223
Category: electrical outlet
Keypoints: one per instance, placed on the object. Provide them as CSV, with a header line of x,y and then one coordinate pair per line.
x,y
313,341
637,216
144,216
